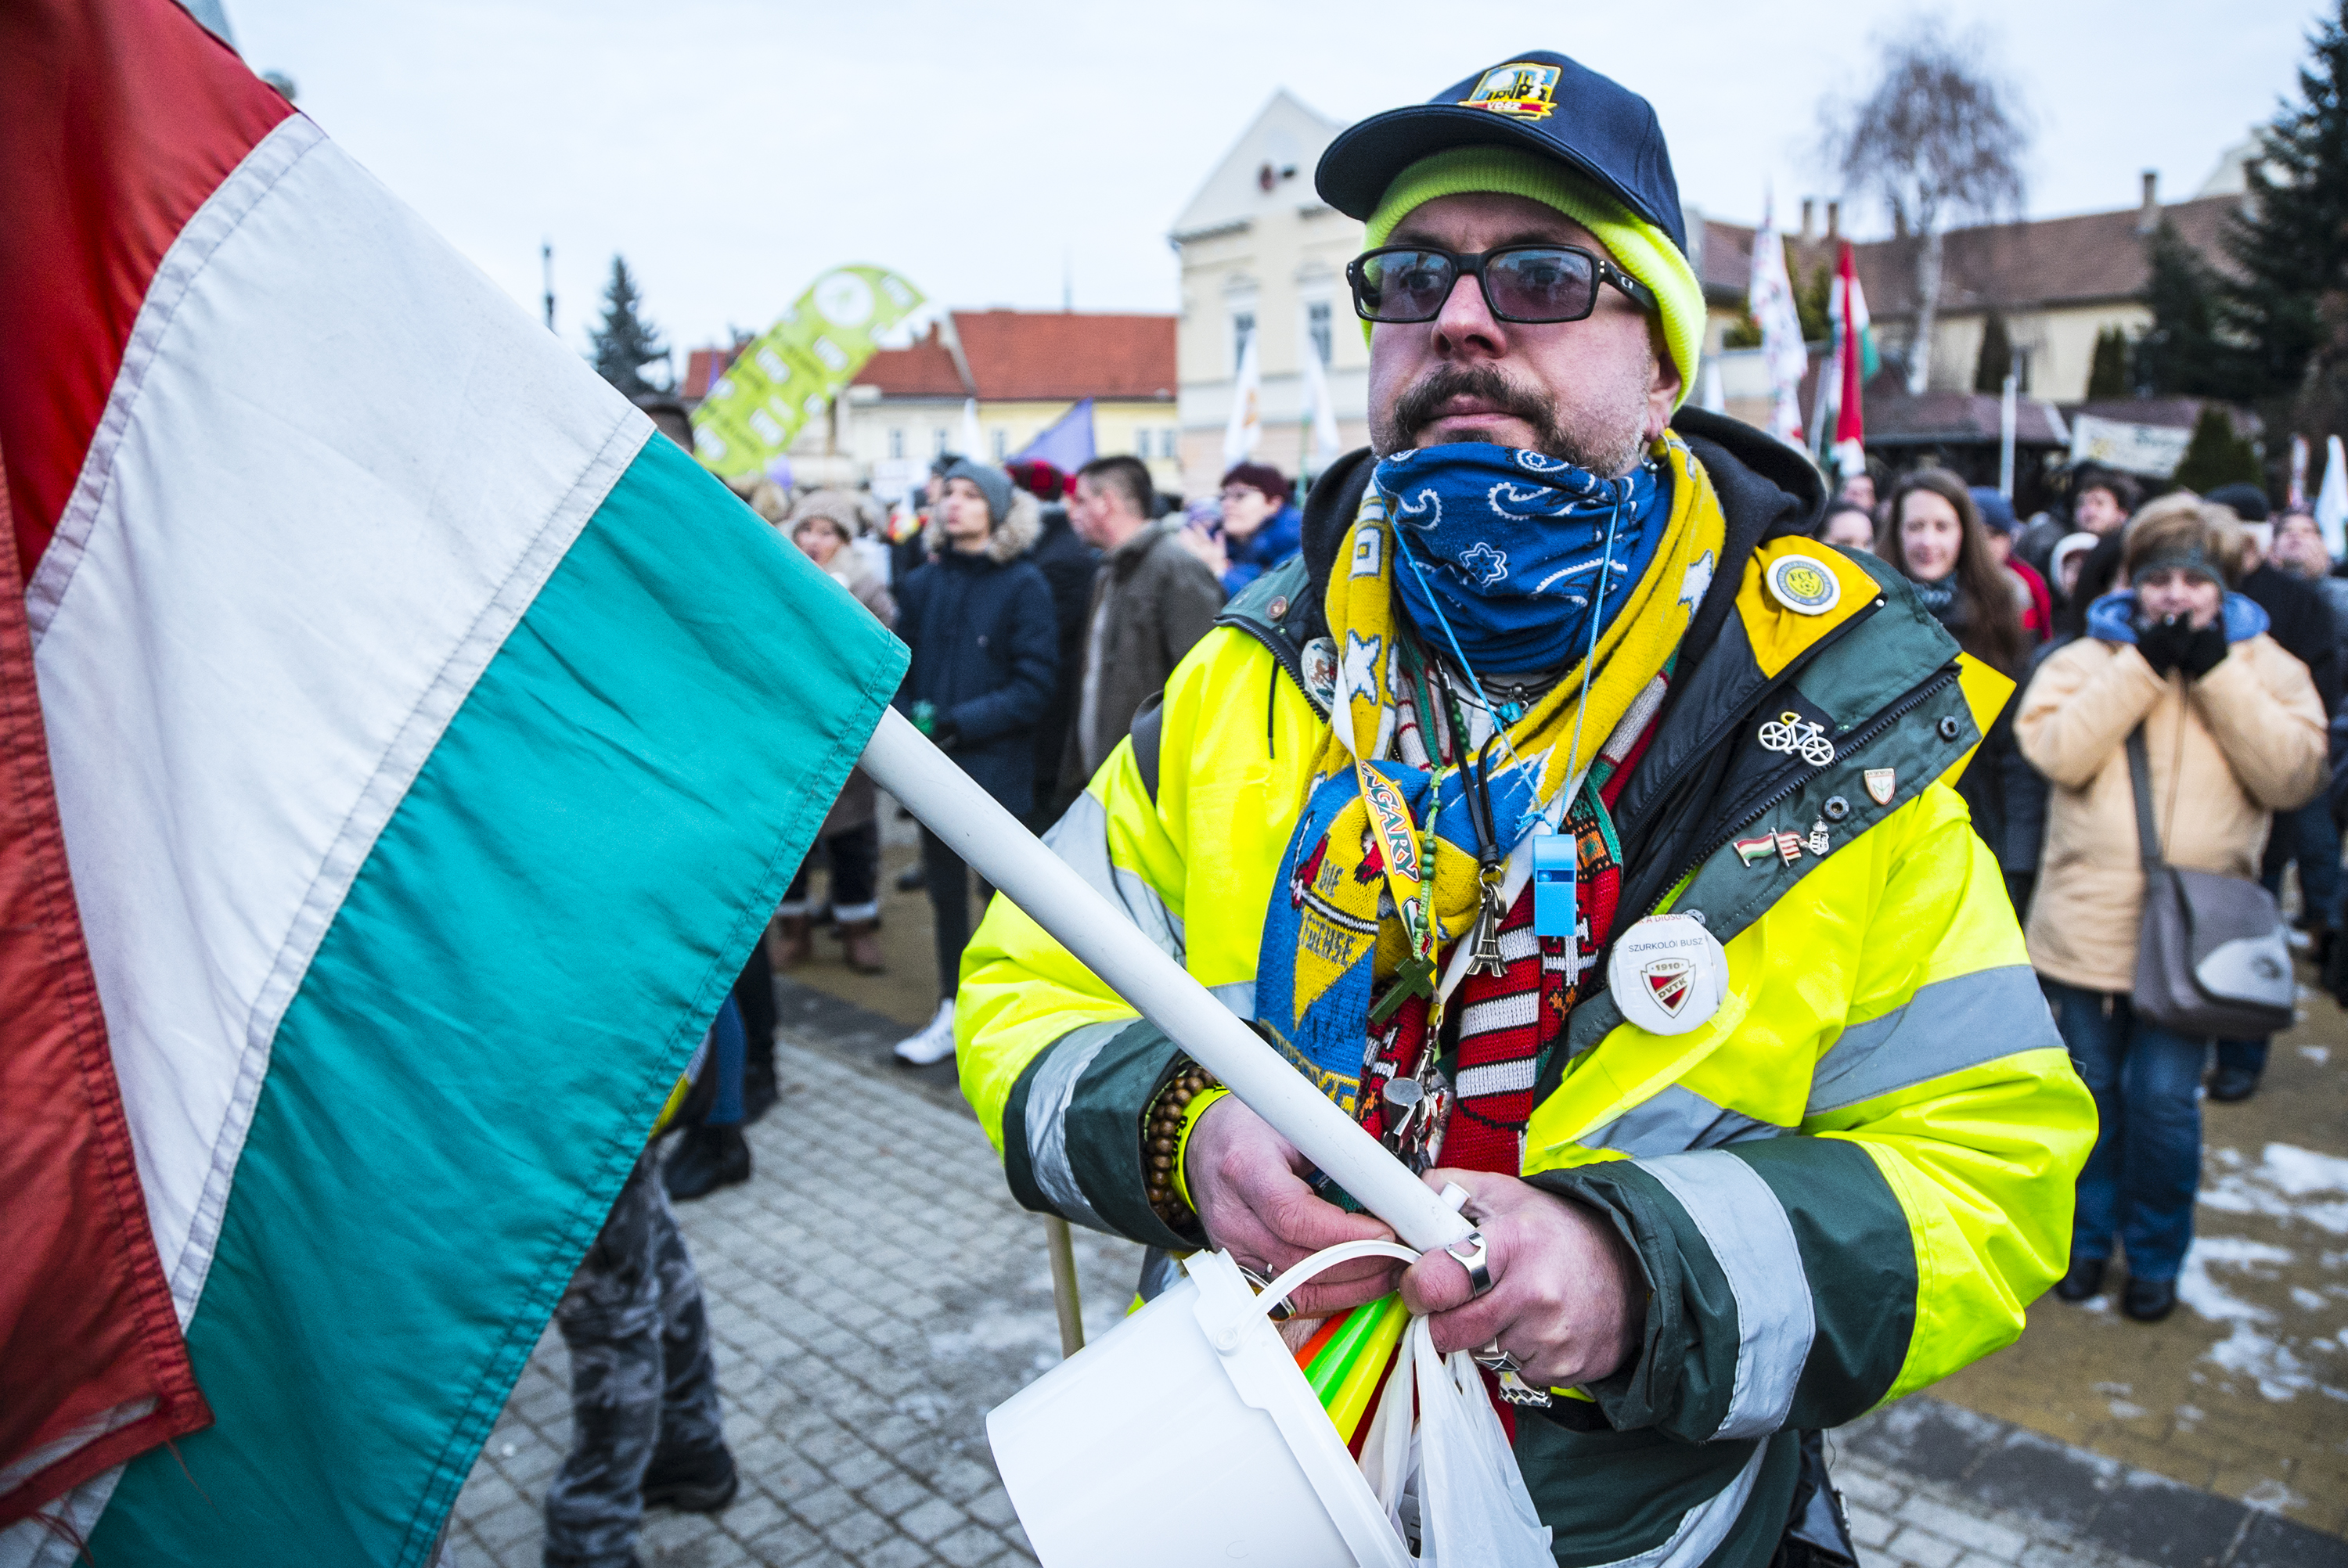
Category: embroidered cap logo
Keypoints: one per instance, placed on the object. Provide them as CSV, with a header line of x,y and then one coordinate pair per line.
x,y
1521,89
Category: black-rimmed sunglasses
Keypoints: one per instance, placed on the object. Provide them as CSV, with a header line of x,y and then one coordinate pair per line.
x,y
1523,283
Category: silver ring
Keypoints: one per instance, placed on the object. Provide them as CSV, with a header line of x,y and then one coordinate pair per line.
x,y
1476,1260
1280,1312
1492,1358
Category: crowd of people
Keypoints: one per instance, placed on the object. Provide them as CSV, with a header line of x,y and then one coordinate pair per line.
x,y
1772,721
2212,631
1043,610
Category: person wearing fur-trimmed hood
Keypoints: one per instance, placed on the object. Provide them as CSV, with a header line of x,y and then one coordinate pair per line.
x,y
985,643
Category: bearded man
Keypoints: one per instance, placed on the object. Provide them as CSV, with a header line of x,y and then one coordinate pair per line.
x,y
1668,940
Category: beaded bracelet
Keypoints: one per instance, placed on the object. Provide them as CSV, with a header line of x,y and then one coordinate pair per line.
x,y
1165,1129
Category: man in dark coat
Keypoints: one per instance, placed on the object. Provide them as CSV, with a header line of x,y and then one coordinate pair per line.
x,y
1067,563
1153,600
985,646
2300,620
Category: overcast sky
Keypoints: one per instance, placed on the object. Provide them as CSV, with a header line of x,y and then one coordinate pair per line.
x,y
732,150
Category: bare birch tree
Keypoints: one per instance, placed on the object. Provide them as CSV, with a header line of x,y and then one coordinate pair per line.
x,y
1939,141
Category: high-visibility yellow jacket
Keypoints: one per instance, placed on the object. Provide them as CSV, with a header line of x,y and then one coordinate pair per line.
x,y
1845,1185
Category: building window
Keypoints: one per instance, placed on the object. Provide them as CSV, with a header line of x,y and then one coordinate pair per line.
x,y
937,443
1316,327
1243,329
1001,444
1141,443
896,443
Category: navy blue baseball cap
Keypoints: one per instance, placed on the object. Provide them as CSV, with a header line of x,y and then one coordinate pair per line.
x,y
1539,101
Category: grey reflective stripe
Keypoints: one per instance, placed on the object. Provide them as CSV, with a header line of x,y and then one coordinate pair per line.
x,y
1158,1270
1703,1527
1081,838
1239,996
1047,1117
1672,1121
1752,1242
1149,724
1946,1026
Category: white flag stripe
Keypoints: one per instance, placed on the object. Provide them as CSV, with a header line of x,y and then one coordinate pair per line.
x,y
309,524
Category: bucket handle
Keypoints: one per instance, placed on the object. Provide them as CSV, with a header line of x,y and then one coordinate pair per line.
x,y
1277,1292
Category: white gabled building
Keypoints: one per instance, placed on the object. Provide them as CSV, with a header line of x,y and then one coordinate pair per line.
x,y
1261,253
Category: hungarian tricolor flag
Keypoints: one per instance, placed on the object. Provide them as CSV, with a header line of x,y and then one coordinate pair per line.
x,y
1854,361
401,746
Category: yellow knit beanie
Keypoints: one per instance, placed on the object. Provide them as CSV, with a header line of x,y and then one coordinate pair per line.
x,y
1639,249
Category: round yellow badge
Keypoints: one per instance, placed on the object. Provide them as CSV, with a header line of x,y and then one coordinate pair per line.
x,y
1804,585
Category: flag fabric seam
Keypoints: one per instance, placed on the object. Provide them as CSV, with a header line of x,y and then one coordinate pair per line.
x,y
371,810
273,158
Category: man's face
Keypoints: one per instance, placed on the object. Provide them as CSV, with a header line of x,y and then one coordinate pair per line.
x,y
1858,489
1593,392
968,518
1095,512
2097,511
2298,545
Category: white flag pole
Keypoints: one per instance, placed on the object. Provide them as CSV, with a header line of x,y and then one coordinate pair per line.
x,y
901,760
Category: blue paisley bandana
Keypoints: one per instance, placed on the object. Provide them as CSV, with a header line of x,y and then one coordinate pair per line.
x,y
1508,543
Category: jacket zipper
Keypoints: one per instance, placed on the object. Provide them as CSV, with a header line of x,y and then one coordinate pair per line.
x,y
1865,735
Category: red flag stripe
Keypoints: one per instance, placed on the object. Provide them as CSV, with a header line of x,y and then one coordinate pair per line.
x,y
88,1332
108,143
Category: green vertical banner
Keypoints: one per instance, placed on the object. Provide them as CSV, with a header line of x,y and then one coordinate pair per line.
x,y
790,374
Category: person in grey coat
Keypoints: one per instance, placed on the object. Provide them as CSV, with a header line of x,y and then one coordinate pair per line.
x,y
1151,600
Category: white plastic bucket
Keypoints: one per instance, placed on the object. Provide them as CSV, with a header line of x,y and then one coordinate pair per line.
x,y
1187,1435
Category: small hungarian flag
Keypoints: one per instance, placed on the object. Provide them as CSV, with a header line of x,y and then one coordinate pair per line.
x,y
401,746
1854,361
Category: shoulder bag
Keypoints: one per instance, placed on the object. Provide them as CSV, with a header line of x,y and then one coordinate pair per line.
x,y
2213,957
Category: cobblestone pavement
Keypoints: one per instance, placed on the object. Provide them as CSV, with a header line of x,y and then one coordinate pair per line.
x,y
2244,1390
868,1313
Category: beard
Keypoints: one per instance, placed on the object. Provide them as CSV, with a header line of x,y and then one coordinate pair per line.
x,y
1610,449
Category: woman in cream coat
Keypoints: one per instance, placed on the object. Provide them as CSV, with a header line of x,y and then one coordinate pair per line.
x,y
2235,733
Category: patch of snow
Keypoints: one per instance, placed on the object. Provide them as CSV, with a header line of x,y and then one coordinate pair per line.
x,y
2280,1186
2122,1410
2272,1496
2300,1172
2119,1389
2307,1300
2316,1053
2278,1374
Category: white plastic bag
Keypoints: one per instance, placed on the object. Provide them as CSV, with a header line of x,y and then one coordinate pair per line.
x,y
1451,1471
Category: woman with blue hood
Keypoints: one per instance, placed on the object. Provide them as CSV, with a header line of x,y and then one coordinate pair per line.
x,y
2234,732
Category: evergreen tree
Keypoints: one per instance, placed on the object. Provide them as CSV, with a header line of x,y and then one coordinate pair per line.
x,y
625,343
2181,353
2108,374
2290,245
2216,456
1997,360
1811,302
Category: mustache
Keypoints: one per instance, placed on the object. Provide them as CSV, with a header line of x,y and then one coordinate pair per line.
x,y
1424,402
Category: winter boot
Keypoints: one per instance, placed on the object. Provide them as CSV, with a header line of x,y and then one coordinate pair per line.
x,y
692,1483
706,1159
794,941
861,941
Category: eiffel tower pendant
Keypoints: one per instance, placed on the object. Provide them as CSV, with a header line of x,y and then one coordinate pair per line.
x,y
1487,959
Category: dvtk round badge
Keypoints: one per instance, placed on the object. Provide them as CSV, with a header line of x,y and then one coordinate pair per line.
x,y
1804,584
1668,974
